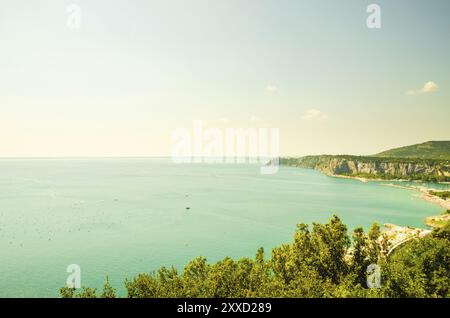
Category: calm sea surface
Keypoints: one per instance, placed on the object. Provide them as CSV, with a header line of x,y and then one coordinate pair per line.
x,y
121,217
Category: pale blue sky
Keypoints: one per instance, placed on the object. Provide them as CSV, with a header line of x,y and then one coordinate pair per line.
x,y
137,70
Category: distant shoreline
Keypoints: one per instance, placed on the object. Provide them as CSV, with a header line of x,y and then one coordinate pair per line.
x,y
365,180
425,195
434,199
399,234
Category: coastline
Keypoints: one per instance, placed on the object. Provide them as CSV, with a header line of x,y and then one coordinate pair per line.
x,y
365,180
424,195
434,199
424,191
397,233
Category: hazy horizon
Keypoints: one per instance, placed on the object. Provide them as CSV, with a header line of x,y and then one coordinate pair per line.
x,y
168,156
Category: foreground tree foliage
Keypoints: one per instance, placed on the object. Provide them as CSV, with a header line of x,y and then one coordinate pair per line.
x,y
321,262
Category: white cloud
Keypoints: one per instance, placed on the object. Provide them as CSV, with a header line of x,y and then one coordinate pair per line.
x,y
271,88
428,87
314,114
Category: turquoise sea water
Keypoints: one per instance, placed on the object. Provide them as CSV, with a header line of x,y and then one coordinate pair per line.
x,y
121,217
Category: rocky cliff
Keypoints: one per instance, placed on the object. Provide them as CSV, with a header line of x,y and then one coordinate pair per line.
x,y
376,167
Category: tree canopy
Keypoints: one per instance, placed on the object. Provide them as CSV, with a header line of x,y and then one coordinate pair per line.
x,y
322,261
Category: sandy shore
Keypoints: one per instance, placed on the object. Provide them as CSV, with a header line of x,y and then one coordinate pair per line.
x,y
349,177
398,235
365,180
434,199
424,194
399,186
437,221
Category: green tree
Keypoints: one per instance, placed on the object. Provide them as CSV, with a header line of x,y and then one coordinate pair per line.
x,y
282,264
67,292
195,278
374,248
87,292
108,290
331,243
360,258
443,232
143,286
322,262
421,268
